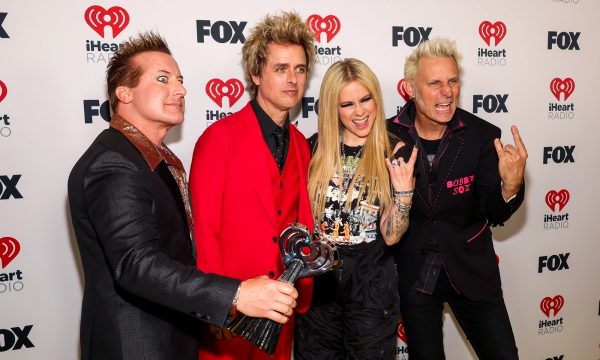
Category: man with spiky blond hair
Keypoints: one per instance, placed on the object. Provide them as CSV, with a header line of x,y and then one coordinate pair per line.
x,y
249,173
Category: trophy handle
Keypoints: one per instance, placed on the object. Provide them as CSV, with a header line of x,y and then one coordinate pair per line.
x,y
318,256
303,255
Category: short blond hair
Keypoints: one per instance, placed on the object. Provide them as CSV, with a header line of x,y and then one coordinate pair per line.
x,y
433,48
285,28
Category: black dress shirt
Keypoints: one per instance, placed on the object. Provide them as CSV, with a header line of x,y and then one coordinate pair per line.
x,y
267,127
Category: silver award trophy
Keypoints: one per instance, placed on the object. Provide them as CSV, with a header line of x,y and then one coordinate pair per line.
x,y
295,242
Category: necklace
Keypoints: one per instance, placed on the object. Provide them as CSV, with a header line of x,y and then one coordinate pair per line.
x,y
349,165
342,230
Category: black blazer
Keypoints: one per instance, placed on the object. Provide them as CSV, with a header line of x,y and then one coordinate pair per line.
x,y
456,201
143,295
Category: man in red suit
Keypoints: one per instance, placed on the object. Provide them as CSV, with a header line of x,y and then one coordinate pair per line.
x,y
249,173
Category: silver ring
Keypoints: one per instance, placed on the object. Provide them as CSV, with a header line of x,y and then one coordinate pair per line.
x,y
394,163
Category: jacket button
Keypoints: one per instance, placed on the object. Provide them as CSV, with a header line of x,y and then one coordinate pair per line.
x,y
271,274
274,239
205,317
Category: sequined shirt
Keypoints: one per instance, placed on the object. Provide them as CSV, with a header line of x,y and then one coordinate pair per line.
x,y
154,155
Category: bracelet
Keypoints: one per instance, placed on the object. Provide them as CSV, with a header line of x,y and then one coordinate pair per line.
x,y
402,207
408,193
233,308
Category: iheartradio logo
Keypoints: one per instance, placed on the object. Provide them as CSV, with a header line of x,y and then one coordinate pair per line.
x,y
98,18
217,89
3,91
330,25
560,198
548,304
566,87
402,90
400,332
497,30
9,249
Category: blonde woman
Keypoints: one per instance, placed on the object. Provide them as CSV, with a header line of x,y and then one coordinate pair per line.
x,y
360,201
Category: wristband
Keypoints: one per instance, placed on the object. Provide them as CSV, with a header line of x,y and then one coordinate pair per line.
x,y
233,308
408,193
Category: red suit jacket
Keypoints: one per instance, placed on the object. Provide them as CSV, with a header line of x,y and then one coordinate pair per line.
x,y
235,215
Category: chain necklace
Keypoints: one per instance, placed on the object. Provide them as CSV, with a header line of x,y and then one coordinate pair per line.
x,y
349,165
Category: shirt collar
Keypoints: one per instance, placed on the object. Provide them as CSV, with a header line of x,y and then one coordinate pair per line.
x,y
152,154
408,113
267,125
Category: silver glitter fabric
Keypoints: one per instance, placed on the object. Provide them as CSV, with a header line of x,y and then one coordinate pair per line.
x,y
154,155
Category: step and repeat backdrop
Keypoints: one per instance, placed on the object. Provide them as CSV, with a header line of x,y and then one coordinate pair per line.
x,y
529,63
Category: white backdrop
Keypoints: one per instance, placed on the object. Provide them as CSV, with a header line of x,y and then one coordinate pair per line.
x,y
52,63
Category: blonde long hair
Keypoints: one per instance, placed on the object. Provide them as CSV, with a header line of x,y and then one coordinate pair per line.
x,y
327,160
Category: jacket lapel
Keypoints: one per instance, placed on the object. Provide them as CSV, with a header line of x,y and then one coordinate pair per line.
x,y
257,165
449,150
304,210
437,175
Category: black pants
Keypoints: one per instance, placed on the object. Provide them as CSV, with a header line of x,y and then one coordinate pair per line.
x,y
484,322
354,308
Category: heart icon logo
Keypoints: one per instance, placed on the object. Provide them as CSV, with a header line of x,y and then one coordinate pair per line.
x,y
98,18
9,249
217,89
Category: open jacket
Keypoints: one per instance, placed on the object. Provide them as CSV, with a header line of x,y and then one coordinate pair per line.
x,y
143,296
456,200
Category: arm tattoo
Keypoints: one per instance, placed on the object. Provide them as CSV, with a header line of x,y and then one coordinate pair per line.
x,y
388,228
397,222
